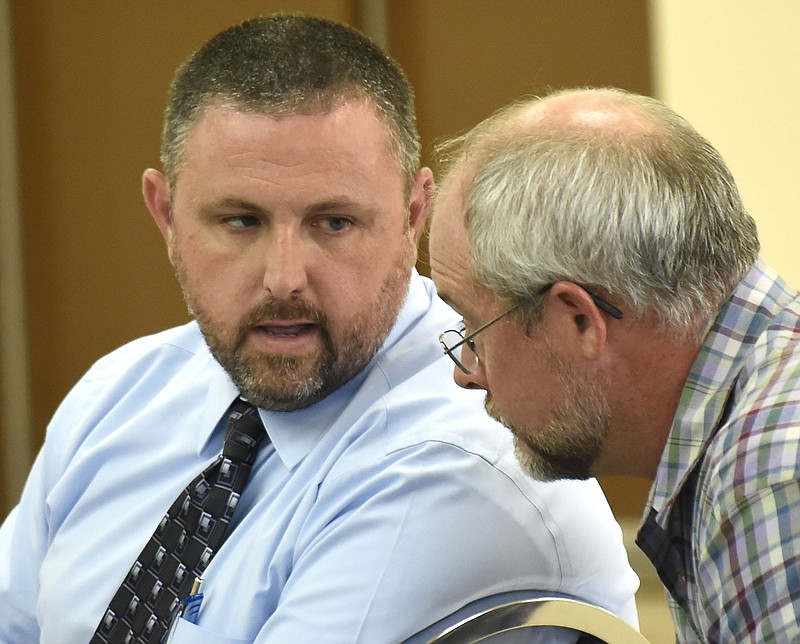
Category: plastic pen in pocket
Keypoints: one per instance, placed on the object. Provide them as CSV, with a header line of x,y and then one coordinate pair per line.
x,y
191,605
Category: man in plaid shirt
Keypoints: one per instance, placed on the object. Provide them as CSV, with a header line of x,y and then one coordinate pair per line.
x,y
619,317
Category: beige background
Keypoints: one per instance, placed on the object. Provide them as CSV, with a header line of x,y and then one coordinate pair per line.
x,y
731,68
83,88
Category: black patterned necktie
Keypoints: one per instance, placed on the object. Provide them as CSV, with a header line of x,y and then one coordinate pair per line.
x,y
185,540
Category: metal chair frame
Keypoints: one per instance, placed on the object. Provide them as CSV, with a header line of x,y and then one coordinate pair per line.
x,y
513,611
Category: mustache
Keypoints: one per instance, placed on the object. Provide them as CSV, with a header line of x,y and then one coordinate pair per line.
x,y
275,310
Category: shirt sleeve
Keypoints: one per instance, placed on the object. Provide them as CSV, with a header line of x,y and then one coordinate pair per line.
x,y
393,548
26,534
23,538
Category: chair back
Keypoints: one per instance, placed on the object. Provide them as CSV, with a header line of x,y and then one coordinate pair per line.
x,y
529,616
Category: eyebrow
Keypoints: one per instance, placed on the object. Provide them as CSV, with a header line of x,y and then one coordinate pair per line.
x,y
245,205
444,297
338,204
448,300
232,203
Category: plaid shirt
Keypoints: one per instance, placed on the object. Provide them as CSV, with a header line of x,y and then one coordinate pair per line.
x,y
723,524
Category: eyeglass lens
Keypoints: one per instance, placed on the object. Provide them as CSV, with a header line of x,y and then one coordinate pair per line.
x,y
460,351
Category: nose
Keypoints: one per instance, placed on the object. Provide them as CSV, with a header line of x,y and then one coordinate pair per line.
x,y
286,260
469,380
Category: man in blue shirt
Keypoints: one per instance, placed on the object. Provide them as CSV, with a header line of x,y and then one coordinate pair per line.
x,y
291,203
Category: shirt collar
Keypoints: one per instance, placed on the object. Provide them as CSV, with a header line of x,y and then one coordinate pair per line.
x,y
741,320
220,394
294,434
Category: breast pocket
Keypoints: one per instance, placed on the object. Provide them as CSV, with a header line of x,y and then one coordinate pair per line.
x,y
188,633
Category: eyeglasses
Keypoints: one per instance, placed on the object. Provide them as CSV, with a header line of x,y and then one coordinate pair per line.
x,y
454,341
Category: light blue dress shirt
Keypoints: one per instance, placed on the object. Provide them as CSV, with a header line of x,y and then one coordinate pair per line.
x,y
371,515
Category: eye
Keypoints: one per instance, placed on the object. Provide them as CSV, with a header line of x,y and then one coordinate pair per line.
x,y
335,224
242,221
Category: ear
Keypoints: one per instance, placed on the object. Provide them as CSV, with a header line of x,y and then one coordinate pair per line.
x,y
575,320
155,189
421,202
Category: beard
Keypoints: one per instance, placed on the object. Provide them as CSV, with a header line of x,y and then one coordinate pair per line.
x,y
288,383
569,444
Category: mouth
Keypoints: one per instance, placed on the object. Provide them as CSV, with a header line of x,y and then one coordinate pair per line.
x,y
279,330
285,338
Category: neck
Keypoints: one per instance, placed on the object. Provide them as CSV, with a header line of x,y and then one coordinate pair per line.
x,y
647,379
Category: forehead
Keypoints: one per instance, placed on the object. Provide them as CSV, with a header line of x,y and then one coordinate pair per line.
x,y
450,250
350,123
449,244
348,147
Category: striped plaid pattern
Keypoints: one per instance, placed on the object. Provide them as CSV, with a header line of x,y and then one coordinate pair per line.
x,y
723,526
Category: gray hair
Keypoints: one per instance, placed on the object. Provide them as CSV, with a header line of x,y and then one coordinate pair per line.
x,y
289,64
653,218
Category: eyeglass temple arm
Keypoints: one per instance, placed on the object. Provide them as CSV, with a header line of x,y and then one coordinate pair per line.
x,y
600,303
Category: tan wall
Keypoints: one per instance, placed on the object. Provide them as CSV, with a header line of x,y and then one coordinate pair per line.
x,y
730,67
91,84
15,447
